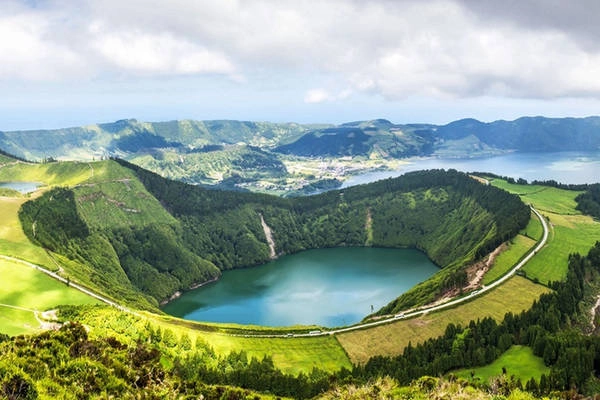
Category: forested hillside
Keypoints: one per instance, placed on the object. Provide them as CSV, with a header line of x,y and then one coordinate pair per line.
x,y
213,164
119,227
589,201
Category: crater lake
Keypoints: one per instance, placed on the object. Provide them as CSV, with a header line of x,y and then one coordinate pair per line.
x,y
329,287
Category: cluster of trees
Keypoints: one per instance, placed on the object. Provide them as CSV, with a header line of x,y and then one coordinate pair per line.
x,y
547,328
156,260
589,201
67,364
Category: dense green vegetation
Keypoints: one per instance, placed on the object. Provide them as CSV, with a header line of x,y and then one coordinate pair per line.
x,y
589,201
213,164
429,388
124,259
67,364
120,228
114,210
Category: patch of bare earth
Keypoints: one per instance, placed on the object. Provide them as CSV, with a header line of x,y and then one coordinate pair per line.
x,y
475,273
47,320
593,320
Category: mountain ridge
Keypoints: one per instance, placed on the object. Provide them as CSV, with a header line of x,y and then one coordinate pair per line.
x,y
289,158
102,139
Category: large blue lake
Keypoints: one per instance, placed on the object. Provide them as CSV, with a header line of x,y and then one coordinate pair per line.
x,y
564,167
331,287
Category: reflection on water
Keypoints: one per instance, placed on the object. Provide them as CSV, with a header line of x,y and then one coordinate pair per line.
x,y
331,287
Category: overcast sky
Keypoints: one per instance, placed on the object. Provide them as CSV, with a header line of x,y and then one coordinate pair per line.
x,y
67,63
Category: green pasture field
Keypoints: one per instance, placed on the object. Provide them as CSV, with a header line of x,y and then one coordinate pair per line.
x,y
506,260
534,229
13,241
291,355
543,198
518,361
51,174
570,232
391,339
17,322
28,288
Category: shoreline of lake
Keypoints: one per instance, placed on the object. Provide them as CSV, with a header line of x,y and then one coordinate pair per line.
x,y
329,287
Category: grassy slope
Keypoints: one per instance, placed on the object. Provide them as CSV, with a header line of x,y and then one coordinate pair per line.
x,y
290,355
391,339
30,289
518,248
13,241
23,286
570,231
518,360
50,174
544,198
113,197
5,159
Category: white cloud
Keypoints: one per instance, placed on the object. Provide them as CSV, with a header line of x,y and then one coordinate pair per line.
x,y
159,53
317,96
27,55
397,49
320,95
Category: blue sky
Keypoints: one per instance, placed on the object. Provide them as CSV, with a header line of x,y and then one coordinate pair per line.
x,y
68,63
